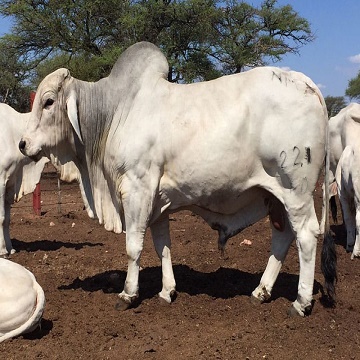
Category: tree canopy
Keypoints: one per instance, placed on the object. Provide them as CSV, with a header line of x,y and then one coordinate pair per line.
x,y
353,89
334,104
202,39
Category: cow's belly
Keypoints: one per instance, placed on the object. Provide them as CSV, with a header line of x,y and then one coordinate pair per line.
x,y
231,202
224,198
229,213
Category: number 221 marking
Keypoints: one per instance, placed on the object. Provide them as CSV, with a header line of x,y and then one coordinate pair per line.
x,y
296,153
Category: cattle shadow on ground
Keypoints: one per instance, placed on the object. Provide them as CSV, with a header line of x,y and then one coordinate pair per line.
x,y
40,332
223,283
49,245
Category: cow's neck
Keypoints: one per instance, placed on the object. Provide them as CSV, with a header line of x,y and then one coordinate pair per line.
x,y
95,111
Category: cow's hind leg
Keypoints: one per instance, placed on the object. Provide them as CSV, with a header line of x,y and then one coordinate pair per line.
x,y
280,243
356,249
347,205
306,227
161,237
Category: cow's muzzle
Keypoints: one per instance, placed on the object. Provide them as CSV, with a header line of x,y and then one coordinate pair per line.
x,y
35,157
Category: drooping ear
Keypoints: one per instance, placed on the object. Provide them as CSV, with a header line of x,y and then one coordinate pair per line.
x,y
72,112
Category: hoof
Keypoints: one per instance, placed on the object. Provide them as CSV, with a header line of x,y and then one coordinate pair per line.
x,y
168,299
122,305
173,295
12,251
292,312
255,301
163,302
4,256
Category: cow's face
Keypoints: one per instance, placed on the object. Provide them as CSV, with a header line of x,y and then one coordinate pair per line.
x,y
49,127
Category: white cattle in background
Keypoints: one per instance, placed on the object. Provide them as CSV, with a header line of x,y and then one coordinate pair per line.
x,y
22,300
18,175
348,187
232,150
344,130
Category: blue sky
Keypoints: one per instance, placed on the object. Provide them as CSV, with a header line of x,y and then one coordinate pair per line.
x,y
333,58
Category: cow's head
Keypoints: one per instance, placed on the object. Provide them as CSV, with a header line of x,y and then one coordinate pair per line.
x,y
53,117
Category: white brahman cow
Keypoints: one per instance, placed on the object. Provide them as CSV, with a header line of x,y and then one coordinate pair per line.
x,y
22,300
348,187
233,150
18,175
344,130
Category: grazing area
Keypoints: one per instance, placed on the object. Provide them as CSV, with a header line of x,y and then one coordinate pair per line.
x,y
82,268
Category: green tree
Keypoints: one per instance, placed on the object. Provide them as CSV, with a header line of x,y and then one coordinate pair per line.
x,y
14,87
202,39
353,89
334,104
249,37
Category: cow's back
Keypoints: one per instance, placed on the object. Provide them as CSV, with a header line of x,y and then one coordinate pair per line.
x,y
274,117
228,134
12,126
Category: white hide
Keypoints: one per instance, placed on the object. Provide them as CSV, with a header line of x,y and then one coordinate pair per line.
x,y
22,300
233,150
348,186
344,130
18,174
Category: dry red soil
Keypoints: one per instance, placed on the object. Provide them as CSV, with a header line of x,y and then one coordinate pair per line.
x,y
82,268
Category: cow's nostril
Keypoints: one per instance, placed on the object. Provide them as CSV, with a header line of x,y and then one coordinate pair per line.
x,y
22,145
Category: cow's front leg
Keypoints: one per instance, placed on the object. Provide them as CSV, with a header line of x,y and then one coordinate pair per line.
x,y
161,237
280,244
138,195
6,227
356,249
5,241
134,246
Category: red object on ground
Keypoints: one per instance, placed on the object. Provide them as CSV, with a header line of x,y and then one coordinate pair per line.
x,y
37,191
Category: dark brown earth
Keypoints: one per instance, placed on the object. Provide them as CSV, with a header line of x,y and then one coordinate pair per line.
x,y
82,267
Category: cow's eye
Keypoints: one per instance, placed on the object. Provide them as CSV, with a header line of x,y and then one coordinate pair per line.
x,y
48,103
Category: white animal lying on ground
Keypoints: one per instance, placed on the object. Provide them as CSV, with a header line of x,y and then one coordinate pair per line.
x,y
348,187
22,300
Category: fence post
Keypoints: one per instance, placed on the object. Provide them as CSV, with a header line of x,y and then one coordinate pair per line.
x,y
37,191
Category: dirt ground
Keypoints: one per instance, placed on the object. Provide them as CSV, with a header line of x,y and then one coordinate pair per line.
x,y
82,267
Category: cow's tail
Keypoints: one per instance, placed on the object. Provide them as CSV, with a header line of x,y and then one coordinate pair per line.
x,y
333,207
34,321
328,254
